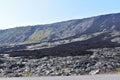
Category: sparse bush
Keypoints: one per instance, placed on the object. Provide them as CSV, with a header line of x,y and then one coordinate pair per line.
x,y
117,71
27,74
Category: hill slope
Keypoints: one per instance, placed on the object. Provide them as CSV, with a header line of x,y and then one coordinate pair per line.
x,y
62,30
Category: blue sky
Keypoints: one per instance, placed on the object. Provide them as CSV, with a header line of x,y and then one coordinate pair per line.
x,y
14,13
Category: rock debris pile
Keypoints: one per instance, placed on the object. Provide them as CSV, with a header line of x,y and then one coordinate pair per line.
x,y
101,61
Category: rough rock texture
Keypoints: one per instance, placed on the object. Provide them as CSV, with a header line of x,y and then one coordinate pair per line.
x,y
103,60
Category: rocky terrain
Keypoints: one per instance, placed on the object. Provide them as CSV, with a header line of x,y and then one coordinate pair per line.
x,y
105,60
74,47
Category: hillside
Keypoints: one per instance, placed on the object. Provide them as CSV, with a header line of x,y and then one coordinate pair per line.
x,y
83,28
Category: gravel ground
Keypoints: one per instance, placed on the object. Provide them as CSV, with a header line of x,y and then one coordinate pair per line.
x,y
88,77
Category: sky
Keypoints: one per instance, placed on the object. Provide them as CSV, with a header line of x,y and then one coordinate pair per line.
x,y
15,13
